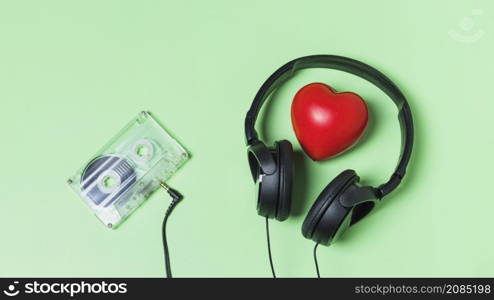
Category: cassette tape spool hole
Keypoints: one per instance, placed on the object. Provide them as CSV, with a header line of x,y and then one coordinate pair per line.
x,y
109,181
142,151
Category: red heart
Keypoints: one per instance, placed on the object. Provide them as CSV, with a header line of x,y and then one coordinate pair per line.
x,y
326,122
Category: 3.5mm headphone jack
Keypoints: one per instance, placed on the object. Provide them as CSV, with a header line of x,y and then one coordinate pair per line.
x,y
173,193
176,196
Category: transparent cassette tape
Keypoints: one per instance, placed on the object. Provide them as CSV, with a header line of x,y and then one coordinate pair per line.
x,y
128,169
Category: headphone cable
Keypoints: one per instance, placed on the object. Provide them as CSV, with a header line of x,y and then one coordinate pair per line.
x,y
269,248
176,198
315,260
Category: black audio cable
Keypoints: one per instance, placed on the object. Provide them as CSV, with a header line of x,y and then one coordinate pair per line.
x,y
269,248
176,196
315,260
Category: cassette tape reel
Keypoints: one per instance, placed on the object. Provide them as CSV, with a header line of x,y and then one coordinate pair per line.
x,y
125,172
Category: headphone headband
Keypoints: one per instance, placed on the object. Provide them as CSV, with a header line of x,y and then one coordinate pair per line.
x,y
354,67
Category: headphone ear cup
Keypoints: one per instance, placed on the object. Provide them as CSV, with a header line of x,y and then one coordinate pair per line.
x,y
285,163
273,175
326,215
263,165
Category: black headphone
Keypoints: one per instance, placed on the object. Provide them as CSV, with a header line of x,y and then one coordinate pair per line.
x,y
343,201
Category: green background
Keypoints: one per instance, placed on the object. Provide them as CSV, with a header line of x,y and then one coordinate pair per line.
x,y
72,73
